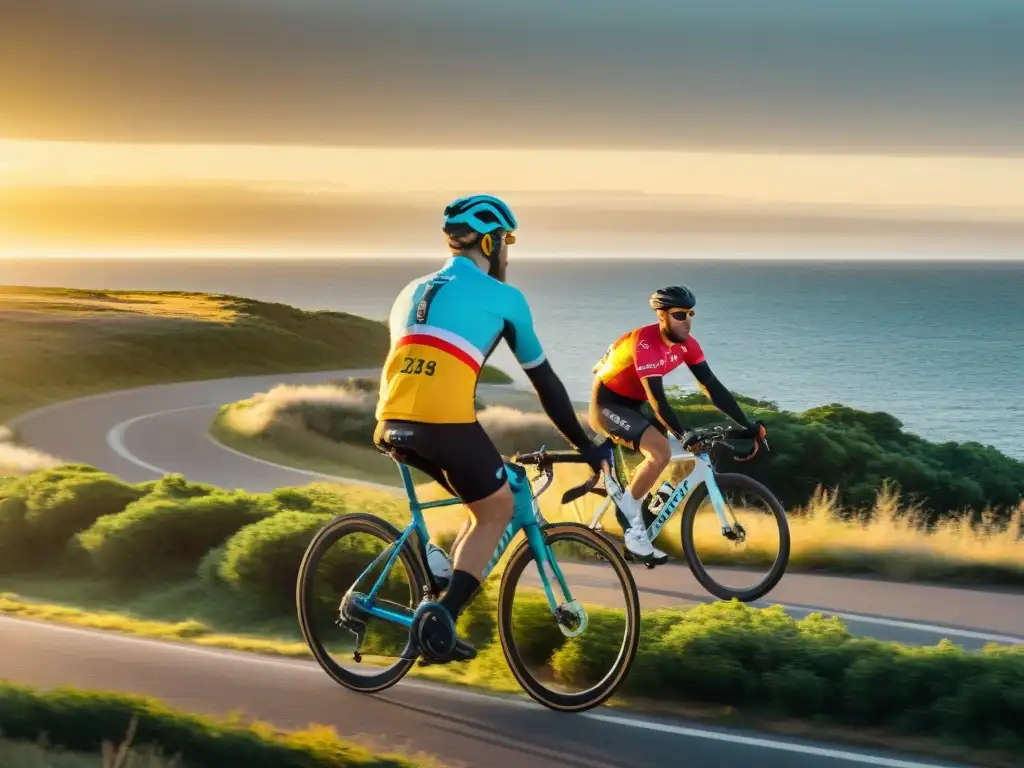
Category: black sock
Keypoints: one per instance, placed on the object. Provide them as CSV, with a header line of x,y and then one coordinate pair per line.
x,y
460,591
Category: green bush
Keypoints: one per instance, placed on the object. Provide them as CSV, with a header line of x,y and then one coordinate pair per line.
x,y
82,720
41,511
732,654
57,511
317,498
14,534
262,559
208,570
175,486
159,537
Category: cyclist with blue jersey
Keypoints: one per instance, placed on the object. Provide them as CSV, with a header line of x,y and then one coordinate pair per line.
x,y
443,327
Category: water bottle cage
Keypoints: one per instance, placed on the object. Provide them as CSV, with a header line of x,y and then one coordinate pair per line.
x,y
663,494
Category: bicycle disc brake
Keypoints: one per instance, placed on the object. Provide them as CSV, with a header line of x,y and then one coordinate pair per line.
x,y
571,618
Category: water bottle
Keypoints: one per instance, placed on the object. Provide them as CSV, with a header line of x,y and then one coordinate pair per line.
x,y
659,499
439,563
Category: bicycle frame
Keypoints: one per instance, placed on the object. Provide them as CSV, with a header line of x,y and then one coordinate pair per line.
x,y
702,472
526,517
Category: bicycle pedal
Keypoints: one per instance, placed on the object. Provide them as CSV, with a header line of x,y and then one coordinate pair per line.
x,y
650,562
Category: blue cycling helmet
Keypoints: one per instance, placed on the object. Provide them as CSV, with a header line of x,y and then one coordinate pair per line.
x,y
492,221
480,213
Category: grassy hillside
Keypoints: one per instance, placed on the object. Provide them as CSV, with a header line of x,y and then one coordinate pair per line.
x,y
58,343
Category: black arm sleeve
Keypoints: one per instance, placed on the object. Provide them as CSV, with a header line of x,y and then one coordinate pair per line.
x,y
662,408
719,395
557,404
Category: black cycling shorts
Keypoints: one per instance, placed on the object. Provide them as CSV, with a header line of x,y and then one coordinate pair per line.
x,y
620,418
460,457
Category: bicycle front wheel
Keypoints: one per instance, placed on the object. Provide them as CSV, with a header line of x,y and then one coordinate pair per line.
x,y
762,530
591,640
332,624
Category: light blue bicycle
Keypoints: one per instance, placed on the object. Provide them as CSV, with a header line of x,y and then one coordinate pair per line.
x,y
536,638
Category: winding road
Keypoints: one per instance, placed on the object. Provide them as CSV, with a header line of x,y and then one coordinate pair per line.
x,y
144,433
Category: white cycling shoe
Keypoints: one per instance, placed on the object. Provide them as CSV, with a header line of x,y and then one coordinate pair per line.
x,y
640,547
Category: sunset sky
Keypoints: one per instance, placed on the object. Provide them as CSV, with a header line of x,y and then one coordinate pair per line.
x,y
886,108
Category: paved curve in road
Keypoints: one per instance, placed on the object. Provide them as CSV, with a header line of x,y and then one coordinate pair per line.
x,y
139,434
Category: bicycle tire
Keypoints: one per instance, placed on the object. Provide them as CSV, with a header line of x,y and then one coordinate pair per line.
x,y
749,484
331,532
518,561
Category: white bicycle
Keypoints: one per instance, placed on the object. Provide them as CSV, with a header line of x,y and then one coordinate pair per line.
x,y
701,482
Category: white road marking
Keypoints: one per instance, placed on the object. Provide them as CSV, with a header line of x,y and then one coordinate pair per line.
x,y
307,472
310,667
115,441
115,436
752,741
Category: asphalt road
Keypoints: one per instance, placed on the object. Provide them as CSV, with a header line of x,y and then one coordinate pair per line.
x,y
461,728
140,434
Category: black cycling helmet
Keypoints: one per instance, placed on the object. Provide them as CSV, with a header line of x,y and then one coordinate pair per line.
x,y
673,297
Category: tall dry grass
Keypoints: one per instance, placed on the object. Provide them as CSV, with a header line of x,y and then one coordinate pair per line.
x,y
344,411
21,754
824,538
287,406
17,460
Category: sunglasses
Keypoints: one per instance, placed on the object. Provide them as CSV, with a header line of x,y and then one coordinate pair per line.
x,y
682,314
510,238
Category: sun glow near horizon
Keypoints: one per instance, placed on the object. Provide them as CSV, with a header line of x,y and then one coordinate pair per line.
x,y
967,185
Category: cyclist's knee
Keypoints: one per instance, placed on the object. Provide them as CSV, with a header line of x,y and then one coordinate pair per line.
x,y
497,507
654,446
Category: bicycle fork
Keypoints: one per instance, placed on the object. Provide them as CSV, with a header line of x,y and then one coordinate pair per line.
x,y
569,615
730,530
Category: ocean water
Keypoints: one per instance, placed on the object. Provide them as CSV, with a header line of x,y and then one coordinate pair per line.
x,y
938,345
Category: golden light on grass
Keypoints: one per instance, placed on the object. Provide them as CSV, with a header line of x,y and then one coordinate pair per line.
x,y
890,545
58,343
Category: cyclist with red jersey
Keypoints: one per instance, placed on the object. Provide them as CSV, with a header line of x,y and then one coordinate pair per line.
x,y
628,397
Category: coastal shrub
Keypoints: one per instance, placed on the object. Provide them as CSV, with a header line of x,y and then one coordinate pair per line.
x,y
42,510
159,537
763,659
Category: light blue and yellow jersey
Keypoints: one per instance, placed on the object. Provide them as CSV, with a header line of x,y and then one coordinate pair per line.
x,y
443,327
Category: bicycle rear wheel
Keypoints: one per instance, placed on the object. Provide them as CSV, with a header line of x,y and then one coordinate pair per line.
x,y
599,661
721,551
328,619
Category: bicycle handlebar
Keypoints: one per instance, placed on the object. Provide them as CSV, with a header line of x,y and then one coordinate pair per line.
x,y
545,461
705,437
701,440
